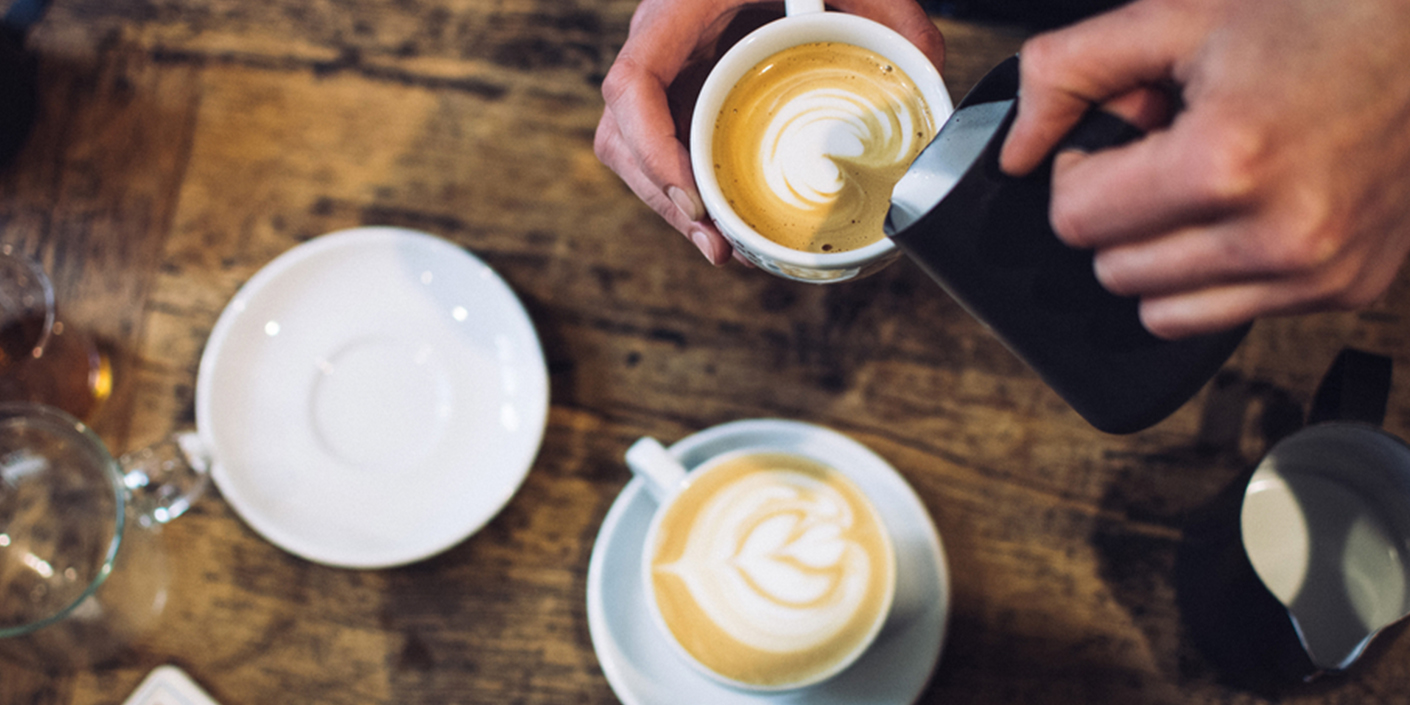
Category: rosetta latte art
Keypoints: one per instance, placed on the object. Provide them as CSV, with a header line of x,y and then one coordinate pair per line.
x,y
772,568
769,561
811,143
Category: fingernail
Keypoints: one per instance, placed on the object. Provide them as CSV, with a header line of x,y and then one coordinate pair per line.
x,y
705,245
685,203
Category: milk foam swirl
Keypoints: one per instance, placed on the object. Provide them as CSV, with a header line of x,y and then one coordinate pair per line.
x,y
770,561
809,145
819,139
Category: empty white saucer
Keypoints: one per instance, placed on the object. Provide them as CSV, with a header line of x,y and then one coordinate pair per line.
x,y
372,397
643,670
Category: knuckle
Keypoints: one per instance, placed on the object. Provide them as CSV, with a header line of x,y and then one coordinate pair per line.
x,y
607,141
603,144
618,78
1041,55
622,77
1307,240
1345,286
1229,171
1310,252
1353,297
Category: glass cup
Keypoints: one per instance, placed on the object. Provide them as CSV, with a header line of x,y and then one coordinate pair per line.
x,y
806,23
82,571
41,359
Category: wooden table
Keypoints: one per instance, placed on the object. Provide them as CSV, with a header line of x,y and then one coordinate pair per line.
x,y
181,146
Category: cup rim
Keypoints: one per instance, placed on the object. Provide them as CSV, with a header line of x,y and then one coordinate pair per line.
x,y
1368,437
59,418
718,460
1369,432
760,44
46,288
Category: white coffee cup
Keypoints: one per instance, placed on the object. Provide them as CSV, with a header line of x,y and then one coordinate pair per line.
x,y
807,22
803,609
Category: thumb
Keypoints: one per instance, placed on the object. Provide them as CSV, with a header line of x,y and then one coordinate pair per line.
x,y
1129,51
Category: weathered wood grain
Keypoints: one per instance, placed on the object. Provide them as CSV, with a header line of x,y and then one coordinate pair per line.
x,y
181,146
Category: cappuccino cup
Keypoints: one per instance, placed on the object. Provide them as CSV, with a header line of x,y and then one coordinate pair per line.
x,y
800,133
766,568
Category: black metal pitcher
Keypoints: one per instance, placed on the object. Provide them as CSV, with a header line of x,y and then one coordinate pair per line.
x,y
985,238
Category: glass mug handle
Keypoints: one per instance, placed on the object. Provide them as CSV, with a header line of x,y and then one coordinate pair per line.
x,y
75,497
164,479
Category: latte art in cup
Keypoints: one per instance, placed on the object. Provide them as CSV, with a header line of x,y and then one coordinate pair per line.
x,y
810,143
772,569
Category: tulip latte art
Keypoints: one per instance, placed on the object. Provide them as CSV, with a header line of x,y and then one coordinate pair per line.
x,y
772,569
810,143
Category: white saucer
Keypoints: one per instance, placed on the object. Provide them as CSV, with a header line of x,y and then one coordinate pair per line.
x,y
643,670
371,397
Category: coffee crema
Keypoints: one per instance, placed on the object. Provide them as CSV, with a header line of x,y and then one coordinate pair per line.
x,y
772,569
810,142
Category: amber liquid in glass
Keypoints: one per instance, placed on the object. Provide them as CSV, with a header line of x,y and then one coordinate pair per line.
x,y
68,371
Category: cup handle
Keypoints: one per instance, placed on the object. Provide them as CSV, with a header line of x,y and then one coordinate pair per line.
x,y
799,7
650,461
165,478
1355,388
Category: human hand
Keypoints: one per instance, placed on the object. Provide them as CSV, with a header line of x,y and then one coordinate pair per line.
x,y
1283,184
651,88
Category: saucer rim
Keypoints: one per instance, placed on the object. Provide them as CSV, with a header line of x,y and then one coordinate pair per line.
x,y
326,245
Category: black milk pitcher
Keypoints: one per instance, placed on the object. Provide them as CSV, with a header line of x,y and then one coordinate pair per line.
x,y
985,238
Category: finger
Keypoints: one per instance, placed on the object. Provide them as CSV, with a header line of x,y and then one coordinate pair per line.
x,y
1220,308
716,248
1182,260
616,152
1249,248
1064,73
1352,280
662,40
1185,176
637,104
613,152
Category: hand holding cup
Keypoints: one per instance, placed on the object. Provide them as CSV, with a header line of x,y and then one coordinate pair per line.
x,y
652,86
